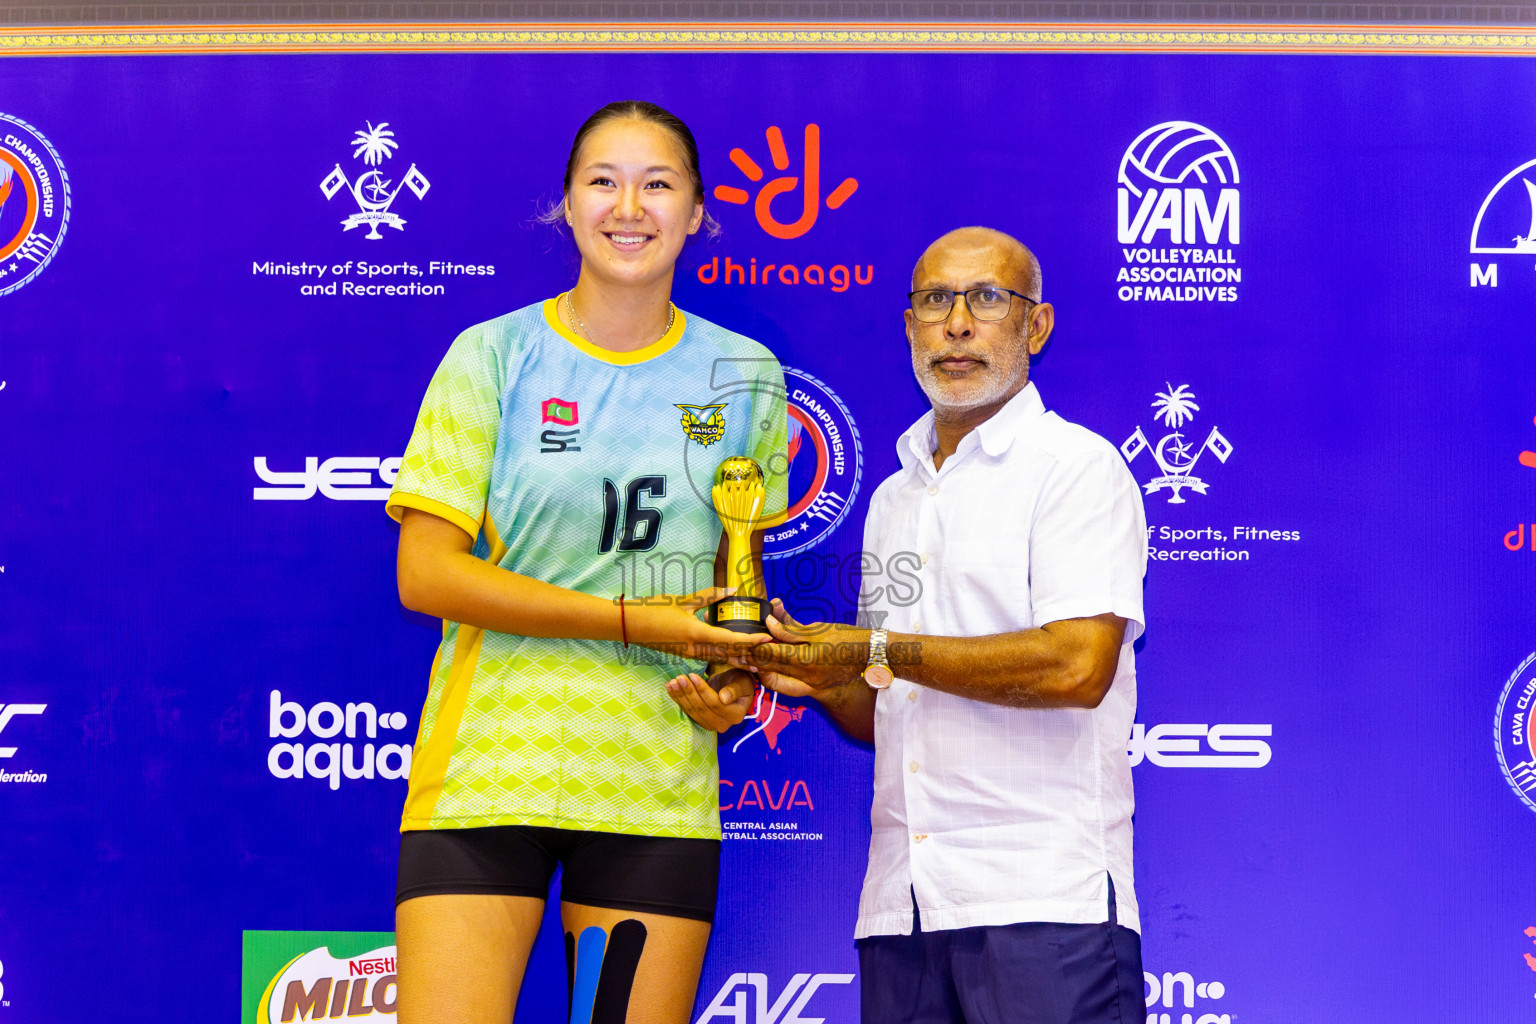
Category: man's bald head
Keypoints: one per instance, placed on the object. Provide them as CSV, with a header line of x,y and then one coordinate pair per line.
x,y
1015,266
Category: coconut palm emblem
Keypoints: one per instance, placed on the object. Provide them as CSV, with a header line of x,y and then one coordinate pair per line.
x,y
1174,454
374,193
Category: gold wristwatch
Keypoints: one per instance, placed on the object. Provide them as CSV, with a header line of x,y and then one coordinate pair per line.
x,y
878,672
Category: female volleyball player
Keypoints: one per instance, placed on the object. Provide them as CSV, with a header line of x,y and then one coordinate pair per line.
x,y
555,490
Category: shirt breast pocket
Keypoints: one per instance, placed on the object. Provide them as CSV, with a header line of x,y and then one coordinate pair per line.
x,y
986,574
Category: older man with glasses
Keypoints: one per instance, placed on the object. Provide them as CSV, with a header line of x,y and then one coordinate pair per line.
x,y
999,888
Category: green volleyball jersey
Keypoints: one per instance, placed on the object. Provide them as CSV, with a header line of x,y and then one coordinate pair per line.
x,y
591,470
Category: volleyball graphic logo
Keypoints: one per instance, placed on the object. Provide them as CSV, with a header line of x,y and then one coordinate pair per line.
x,y
1177,153
1178,186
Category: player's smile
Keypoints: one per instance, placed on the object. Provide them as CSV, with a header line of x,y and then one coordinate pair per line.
x,y
628,241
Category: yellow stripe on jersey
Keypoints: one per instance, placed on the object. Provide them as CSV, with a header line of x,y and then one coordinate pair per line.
x,y
399,502
661,346
429,761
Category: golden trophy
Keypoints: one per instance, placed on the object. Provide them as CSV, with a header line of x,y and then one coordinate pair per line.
x,y
739,494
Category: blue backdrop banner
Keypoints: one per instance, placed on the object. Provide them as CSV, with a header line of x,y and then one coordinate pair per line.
x,y
1297,292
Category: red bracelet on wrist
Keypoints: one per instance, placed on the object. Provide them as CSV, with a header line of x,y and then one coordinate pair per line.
x,y
623,630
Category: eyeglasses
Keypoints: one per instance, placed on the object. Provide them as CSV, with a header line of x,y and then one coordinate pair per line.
x,y
989,302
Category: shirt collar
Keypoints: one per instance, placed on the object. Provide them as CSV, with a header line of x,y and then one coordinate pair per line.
x,y
995,436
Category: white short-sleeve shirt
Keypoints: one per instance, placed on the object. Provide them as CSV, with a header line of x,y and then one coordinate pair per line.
x,y
994,815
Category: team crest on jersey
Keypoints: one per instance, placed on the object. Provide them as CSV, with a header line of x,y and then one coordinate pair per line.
x,y
374,193
34,202
703,423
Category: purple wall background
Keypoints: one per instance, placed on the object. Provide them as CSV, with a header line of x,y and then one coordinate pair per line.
x,y
1376,403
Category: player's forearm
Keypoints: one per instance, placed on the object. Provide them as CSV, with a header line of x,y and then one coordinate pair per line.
x,y
462,588
1068,664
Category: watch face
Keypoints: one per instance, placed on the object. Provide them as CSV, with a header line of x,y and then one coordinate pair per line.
x,y
878,676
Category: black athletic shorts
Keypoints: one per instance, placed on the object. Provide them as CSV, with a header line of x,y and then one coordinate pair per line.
x,y
646,874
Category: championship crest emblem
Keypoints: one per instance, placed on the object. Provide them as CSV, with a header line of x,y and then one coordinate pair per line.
x,y
374,193
1175,454
34,203
703,423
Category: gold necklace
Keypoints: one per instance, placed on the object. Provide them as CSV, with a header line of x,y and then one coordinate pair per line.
x,y
582,327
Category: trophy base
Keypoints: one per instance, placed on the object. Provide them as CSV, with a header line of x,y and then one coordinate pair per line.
x,y
740,614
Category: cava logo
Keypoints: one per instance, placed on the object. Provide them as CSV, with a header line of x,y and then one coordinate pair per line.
x,y
340,478
34,202
1175,991
333,761
1178,213
769,719
1176,455
1201,746
747,999
373,191
310,976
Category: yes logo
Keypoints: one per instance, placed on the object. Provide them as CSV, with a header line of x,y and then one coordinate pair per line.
x,y
784,1010
811,194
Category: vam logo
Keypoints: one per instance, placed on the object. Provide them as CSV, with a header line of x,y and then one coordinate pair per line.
x,y
34,202
1178,210
744,999
1175,455
1201,746
340,478
811,193
374,193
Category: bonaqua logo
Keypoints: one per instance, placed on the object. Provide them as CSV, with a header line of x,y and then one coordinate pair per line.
x,y
1173,991
288,720
836,275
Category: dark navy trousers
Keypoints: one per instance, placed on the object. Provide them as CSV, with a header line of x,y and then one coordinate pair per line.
x,y
1034,973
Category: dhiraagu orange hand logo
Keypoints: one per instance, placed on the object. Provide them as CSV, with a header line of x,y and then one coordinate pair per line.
x,y
811,194
775,269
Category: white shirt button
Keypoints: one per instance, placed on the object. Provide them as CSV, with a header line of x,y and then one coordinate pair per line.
x,y
912,767
917,627
925,558
911,695
933,490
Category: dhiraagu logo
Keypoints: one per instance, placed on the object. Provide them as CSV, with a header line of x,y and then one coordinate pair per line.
x,y
810,175
309,976
779,267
